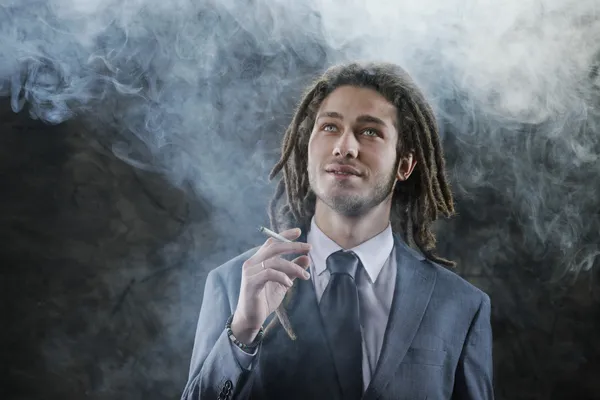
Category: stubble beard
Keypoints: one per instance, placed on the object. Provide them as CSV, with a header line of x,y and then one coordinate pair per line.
x,y
354,204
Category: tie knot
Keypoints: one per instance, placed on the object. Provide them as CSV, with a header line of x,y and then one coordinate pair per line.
x,y
343,262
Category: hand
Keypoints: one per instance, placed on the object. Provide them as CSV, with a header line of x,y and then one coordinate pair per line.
x,y
266,278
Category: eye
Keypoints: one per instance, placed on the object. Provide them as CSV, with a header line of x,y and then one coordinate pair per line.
x,y
371,132
329,128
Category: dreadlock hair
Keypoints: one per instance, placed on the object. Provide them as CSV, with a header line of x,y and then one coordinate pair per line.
x,y
416,202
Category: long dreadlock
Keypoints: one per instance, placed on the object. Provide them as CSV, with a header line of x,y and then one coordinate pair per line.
x,y
416,203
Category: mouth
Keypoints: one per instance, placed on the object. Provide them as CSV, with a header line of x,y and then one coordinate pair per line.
x,y
342,170
340,174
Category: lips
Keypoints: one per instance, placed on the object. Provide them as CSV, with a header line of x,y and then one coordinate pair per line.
x,y
342,170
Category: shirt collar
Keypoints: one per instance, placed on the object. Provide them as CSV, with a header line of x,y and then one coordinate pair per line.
x,y
373,253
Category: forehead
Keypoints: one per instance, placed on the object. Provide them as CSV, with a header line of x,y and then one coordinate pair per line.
x,y
351,102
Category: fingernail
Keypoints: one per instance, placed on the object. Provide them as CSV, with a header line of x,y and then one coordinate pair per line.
x,y
306,274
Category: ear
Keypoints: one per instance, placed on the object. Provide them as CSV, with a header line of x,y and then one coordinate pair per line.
x,y
406,166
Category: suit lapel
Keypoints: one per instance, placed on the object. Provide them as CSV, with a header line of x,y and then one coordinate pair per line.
x,y
414,285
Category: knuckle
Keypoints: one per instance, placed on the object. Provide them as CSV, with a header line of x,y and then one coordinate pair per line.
x,y
269,272
275,274
281,275
288,265
273,244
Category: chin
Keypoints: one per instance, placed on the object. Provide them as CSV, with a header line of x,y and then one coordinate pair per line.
x,y
348,207
340,190
342,195
327,187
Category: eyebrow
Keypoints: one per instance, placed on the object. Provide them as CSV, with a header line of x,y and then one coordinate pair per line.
x,y
361,118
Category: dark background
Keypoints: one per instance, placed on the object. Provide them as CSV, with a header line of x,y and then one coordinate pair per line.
x,y
115,203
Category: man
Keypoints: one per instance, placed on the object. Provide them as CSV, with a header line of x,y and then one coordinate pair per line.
x,y
378,316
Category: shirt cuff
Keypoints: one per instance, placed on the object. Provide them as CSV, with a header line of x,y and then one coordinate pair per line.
x,y
243,358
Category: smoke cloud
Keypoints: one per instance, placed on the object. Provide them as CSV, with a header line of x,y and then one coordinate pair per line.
x,y
196,89
201,92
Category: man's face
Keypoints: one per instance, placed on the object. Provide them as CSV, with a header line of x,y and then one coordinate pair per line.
x,y
352,150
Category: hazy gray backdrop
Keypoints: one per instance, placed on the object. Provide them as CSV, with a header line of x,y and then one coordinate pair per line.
x,y
136,137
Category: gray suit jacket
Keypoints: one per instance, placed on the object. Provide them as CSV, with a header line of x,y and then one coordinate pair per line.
x,y
438,342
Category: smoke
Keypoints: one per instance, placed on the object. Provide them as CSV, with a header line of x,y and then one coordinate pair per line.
x,y
201,91
516,88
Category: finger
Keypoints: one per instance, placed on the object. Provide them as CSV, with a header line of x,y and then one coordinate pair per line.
x,y
269,275
303,261
291,269
277,248
291,234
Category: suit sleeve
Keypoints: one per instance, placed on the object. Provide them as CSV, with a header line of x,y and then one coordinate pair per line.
x,y
215,370
474,374
244,359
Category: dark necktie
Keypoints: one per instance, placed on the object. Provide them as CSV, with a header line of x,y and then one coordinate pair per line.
x,y
339,308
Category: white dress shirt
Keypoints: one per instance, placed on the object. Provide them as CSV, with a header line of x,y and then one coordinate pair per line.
x,y
375,282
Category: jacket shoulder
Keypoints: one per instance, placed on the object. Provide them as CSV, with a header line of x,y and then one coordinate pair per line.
x,y
449,282
452,284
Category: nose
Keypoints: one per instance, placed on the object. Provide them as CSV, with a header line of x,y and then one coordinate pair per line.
x,y
346,145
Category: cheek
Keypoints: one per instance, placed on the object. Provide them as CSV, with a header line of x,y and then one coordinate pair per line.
x,y
383,162
313,149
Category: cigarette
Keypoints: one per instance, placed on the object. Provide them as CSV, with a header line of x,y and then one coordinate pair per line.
x,y
274,235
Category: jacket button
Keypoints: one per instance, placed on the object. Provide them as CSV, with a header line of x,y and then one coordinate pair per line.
x,y
228,385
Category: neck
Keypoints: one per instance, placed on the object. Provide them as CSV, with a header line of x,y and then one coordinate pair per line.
x,y
349,232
